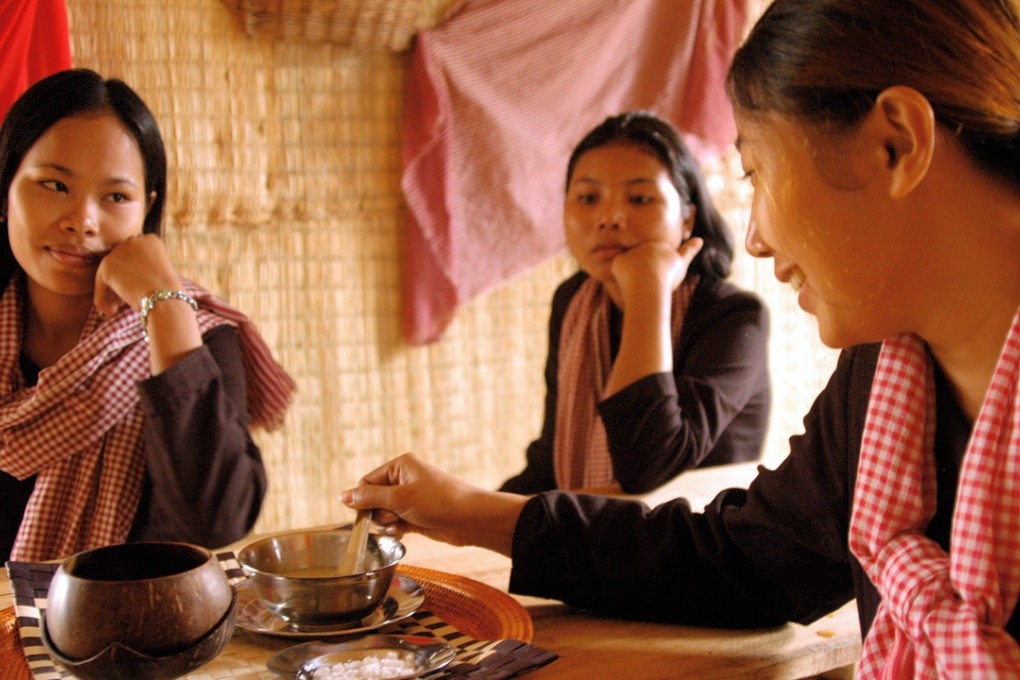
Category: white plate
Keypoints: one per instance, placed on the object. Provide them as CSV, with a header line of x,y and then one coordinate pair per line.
x,y
301,661
404,598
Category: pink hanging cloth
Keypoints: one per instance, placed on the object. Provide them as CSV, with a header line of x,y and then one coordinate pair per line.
x,y
498,95
34,43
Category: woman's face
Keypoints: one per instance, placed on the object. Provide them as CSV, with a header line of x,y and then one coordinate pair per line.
x,y
620,196
820,216
79,191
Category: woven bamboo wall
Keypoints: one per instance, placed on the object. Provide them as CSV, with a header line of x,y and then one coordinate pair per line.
x,y
284,199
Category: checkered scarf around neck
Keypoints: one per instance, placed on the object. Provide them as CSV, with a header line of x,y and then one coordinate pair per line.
x,y
79,429
580,450
941,616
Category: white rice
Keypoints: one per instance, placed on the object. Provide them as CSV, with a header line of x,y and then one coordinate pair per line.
x,y
370,668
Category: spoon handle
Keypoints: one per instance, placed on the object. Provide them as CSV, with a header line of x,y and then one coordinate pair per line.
x,y
353,559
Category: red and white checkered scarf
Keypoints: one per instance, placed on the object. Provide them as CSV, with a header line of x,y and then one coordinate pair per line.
x,y
79,428
580,450
942,616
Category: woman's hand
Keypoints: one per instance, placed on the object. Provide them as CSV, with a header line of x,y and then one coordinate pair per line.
x,y
130,271
652,269
408,494
135,269
646,276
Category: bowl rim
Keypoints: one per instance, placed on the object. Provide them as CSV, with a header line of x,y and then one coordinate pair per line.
x,y
116,547
250,569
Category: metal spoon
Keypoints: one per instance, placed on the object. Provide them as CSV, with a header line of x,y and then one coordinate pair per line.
x,y
353,559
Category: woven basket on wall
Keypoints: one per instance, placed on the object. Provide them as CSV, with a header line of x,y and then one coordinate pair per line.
x,y
357,23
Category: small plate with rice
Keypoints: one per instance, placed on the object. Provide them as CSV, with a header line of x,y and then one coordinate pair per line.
x,y
372,657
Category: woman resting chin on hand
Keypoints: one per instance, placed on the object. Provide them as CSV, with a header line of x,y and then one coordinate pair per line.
x,y
128,392
656,363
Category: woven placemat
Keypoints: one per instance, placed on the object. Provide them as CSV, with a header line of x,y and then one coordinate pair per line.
x,y
477,608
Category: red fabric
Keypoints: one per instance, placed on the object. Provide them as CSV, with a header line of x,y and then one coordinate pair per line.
x,y
497,97
33,44
942,615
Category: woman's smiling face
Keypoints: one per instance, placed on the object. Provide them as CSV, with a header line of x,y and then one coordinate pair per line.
x,y
818,212
79,191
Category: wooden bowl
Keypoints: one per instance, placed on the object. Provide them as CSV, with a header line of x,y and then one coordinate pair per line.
x,y
118,662
155,599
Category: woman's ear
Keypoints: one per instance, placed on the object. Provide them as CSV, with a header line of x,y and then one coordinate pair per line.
x,y
904,121
687,228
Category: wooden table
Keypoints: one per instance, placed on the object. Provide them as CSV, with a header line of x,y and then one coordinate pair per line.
x,y
592,646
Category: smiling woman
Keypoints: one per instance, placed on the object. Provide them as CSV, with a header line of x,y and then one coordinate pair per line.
x,y
94,206
115,425
820,229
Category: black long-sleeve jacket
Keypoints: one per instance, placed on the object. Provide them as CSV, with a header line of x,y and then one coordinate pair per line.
x,y
775,552
712,409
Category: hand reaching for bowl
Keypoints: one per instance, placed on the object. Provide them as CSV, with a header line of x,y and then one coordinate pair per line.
x,y
410,495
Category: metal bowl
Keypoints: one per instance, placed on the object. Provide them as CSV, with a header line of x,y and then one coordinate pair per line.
x,y
156,599
294,576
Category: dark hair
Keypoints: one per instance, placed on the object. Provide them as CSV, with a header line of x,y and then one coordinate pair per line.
x,y
825,61
658,137
77,92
